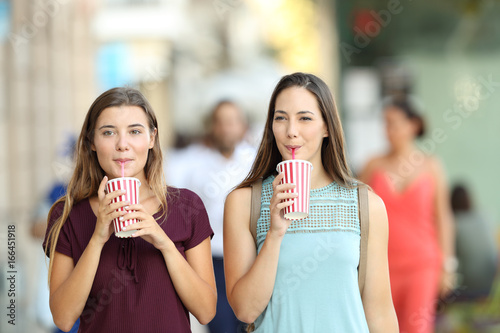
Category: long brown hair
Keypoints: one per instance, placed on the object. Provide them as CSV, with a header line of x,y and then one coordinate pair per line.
x,y
333,155
88,173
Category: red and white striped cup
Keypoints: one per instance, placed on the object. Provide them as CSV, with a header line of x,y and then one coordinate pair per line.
x,y
131,186
297,172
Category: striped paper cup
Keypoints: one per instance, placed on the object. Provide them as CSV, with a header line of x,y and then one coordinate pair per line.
x,y
131,186
297,172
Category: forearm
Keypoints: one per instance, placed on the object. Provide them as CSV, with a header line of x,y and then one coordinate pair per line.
x,y
196,294
447,236
384,323
251,294
68,300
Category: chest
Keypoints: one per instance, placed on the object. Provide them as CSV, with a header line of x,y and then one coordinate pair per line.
x,y
308,260
419,191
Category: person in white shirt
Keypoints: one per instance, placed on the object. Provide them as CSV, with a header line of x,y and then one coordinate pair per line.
x,y
212,168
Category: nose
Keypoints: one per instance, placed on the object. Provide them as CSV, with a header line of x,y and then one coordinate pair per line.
x,y
292,130
122,144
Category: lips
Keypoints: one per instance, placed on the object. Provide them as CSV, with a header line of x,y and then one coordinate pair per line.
x,y
290,147
122,160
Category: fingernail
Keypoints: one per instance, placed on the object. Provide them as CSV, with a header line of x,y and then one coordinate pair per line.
x,y
124,228
123,191
121,218
127,207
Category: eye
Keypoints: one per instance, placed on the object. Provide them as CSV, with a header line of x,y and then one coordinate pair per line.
x,y
135,131
279,118
305,118
107,133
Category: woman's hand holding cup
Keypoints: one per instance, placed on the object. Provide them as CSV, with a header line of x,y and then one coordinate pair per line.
x,y
107,211
278,202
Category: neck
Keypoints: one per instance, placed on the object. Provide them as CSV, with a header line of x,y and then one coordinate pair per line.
x,y
402,150
319,176
227,153
145,192
144,189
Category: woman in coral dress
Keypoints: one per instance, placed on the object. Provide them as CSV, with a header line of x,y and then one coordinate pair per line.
x,y
421,250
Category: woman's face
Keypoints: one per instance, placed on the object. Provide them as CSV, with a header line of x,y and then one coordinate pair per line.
x,y
122,135
298,123
399,128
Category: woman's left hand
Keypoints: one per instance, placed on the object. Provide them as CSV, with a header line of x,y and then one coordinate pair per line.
x,y
147,228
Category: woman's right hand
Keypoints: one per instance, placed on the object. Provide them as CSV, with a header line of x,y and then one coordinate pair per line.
x,y
279,224
107,212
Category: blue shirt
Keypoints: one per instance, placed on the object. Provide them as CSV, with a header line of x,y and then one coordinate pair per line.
x,y
316,287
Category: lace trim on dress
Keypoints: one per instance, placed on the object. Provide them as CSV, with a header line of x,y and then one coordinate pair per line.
x,y
332,208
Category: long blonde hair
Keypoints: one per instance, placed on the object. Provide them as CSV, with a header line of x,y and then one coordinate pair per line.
x,y
333,154
88,173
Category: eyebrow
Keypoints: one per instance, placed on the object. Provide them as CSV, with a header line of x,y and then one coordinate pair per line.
x,y
112,126
300,112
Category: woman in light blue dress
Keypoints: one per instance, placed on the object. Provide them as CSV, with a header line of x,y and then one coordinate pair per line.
x,y
301,275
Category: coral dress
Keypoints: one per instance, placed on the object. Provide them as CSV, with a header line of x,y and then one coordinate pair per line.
x,y
414,253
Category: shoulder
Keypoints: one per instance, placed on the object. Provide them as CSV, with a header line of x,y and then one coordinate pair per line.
x,y
377,211
246,149
239,197
177,195
436,169
237,210
375,203
435,165
57,209
372,165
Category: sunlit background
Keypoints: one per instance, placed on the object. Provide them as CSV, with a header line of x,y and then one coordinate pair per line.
x,y
57,56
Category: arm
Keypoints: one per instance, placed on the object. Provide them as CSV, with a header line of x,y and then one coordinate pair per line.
x,y
250,277
444,224
193,276
193,279
69,284
377,299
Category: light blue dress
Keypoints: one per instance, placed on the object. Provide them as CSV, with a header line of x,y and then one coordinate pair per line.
x,y
316,287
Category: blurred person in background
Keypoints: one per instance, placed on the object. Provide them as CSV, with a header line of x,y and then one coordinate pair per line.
x,y
151,281
211,168
476,247
422,260
39,226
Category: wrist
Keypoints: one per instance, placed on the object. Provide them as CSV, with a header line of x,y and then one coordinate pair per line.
x,y
96,243
168,247
450,264
275,235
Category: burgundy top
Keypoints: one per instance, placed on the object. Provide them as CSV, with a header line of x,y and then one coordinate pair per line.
x,y
132,290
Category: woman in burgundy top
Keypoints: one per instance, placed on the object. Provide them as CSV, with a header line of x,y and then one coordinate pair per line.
x,y
151,281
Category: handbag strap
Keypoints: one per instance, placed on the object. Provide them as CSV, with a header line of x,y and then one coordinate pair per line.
x,y
255,207
364,226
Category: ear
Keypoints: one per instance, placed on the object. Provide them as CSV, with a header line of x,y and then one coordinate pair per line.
x,y
92,146
417,126
152,138
325,131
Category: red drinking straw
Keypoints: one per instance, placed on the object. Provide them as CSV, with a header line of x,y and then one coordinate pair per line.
x,y
293,153
123,169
